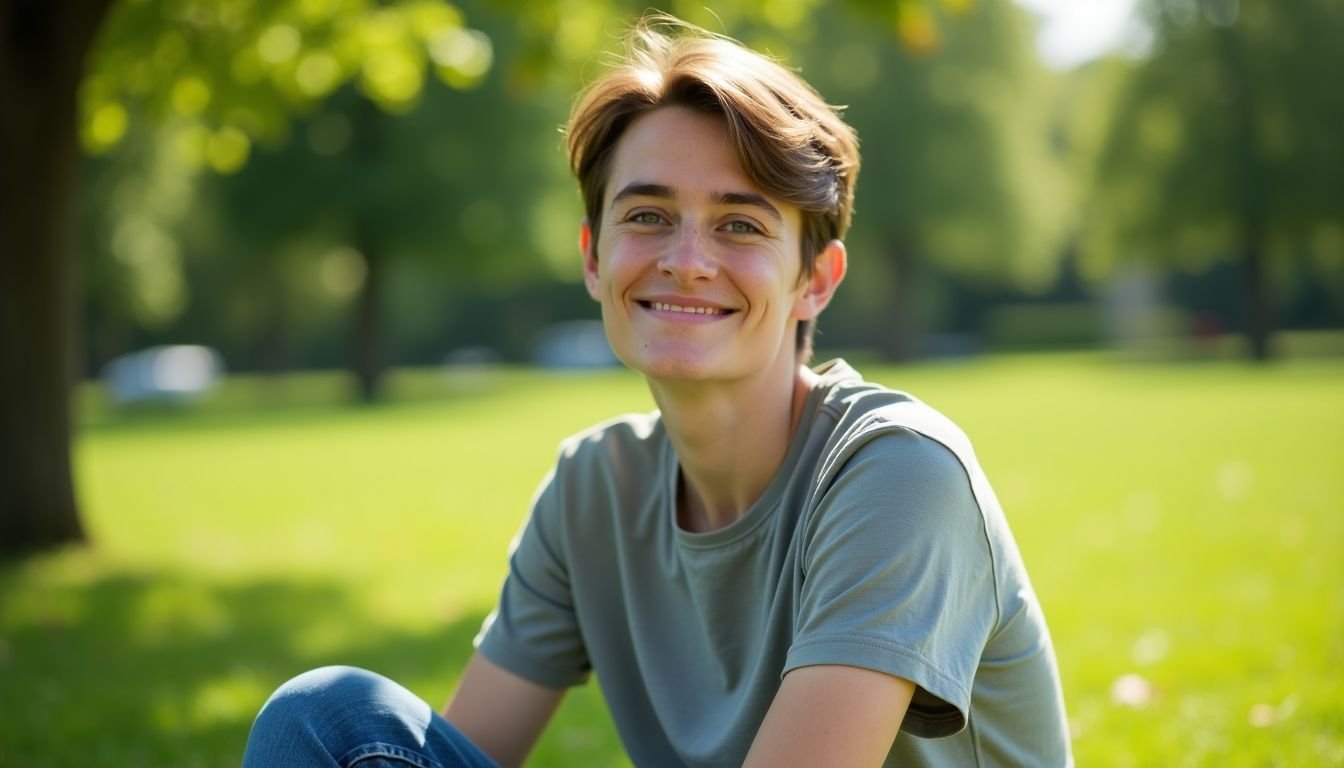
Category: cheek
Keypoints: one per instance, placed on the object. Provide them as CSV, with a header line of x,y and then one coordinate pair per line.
x,y
769,283
618,267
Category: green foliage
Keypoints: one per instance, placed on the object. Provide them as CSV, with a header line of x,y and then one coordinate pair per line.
x,y
234,72
959,168
275,528
177,86
135,202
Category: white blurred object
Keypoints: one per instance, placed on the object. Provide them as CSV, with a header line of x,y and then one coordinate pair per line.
x,y
167,373
1131,690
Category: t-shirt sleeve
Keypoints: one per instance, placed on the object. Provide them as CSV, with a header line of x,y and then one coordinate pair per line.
x,y
534,631
899,577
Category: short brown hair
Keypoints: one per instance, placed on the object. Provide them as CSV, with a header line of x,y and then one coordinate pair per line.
x,y
790,142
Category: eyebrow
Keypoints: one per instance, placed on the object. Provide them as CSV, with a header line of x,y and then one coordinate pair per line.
x,y
644,189
749,198
649,189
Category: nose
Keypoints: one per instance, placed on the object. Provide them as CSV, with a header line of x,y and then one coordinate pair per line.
x,y
688,258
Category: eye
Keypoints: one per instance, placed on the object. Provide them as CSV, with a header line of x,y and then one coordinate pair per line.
x,y
644,217
740,227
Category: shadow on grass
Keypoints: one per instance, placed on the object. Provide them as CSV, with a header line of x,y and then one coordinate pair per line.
x,y
161,669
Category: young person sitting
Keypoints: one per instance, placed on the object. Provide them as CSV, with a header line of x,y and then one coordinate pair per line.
x,y
782,565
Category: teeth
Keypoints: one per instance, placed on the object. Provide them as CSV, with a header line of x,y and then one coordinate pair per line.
x,y
658,305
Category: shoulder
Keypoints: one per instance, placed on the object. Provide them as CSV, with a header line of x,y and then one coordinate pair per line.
x,y
631,437
612,459
599,475
897,483
894,431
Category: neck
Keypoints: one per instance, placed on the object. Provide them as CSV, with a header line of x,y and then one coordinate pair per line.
x,y
731,438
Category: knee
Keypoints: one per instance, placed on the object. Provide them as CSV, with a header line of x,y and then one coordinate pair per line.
x,y
315,699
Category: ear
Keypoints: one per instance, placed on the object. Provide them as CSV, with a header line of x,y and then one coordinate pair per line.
x,y
828,270
589,259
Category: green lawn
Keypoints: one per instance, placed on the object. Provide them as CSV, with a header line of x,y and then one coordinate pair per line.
x,y
1183,524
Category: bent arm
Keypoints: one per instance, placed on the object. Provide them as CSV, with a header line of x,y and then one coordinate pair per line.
x,y
499,711
831,715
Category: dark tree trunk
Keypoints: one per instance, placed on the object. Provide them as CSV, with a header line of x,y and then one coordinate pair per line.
x,y
42,50
369,361
1255,288
900,340
1251,194
272,348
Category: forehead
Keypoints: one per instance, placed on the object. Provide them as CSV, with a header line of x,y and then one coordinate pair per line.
x,y
686,151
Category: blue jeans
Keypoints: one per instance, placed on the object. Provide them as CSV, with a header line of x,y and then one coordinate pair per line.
x,y
337,717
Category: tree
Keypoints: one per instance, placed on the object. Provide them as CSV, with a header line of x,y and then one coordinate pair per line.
x,y
1224,145
42,52
225,74
959,172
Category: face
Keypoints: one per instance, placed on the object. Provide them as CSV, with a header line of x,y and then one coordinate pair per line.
x,y
696,269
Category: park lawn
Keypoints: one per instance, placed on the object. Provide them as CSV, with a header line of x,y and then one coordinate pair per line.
x,y
1183,525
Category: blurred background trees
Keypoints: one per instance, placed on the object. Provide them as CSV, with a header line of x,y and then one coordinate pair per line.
x,y
359,237
361,184
1224,146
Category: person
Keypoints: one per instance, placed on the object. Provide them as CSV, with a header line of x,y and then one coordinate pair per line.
x,y
781,565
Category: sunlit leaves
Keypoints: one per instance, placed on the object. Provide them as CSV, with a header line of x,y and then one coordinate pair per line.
x,y
105,126
227,149
920,26
916,29
139,264
279,44
241,69
153,262
190,96
342,271
318,73
461,56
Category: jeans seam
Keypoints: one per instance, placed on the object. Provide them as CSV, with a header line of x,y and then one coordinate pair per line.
x,y
391,751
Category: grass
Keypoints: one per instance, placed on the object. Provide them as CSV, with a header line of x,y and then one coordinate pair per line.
x,y
1182,523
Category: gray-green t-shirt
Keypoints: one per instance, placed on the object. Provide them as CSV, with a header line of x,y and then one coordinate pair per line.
x,y
878,544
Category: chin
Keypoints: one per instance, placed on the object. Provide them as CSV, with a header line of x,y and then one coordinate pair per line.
x,y
670,370
671,367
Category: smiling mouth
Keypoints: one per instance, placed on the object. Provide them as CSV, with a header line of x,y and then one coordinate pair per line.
x,y
663,307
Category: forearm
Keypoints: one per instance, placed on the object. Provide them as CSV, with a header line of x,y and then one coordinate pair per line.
x,y
499,711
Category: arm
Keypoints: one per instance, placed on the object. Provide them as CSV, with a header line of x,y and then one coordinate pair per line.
x,y
499,711
831,715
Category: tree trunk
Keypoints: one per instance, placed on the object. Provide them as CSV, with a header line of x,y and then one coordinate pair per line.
x,y
1251,193
273,348
900,341
369,358
1255,290
42,50
370,362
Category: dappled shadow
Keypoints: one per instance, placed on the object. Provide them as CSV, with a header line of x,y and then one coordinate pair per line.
x,y
164,669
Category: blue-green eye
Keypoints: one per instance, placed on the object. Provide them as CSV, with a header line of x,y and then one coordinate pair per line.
x,y
645,217
739,227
